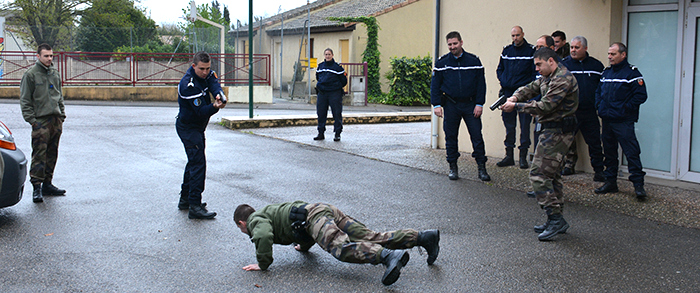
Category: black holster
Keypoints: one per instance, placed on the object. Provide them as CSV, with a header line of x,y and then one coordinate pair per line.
x,y
299,224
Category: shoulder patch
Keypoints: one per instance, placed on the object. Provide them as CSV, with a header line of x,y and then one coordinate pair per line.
x,y
197,102
640,81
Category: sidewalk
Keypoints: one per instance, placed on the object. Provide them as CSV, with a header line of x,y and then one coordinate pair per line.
x,y
408,144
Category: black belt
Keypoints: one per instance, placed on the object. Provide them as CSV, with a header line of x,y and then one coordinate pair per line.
x,y
567,124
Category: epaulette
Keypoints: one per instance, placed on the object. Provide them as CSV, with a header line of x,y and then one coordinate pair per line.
x,y
443,56
606,68
532,46
633,67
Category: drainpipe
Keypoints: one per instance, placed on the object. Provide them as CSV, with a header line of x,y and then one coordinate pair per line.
x,y
434,118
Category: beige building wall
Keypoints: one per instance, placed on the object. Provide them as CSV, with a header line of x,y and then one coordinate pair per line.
x,y
486,31
406,31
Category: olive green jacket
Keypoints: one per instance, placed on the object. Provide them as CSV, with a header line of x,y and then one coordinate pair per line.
x,y
40,93
271,225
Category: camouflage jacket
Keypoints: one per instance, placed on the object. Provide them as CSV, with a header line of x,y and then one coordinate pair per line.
x,y
559,96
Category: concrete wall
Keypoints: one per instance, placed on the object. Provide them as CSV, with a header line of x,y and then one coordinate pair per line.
x,y
406,31
487,29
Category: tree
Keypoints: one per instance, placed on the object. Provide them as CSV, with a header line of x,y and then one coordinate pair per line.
x,y
48,21
109,24
206,37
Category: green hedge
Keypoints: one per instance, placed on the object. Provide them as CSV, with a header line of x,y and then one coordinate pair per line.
x,y
409,82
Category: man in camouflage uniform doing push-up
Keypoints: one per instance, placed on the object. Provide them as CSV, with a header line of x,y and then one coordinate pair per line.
x,y
345,238
557,122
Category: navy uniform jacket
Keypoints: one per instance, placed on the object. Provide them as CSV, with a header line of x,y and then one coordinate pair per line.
x,y
587,72
330,76
193,97
620,93
461,78
516,67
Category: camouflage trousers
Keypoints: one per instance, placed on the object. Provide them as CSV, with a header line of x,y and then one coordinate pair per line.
x,y
547,164
348,240
46,133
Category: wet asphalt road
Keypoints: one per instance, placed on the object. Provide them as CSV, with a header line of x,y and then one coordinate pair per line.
x,y
118,228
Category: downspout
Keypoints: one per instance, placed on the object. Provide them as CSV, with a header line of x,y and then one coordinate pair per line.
x,y
433,118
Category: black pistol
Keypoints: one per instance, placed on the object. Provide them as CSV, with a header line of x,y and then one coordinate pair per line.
x,y
501,100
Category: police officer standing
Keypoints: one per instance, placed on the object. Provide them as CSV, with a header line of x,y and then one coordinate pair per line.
x,y
556,115
41,100
587,71
331,79
515,69
458,92
617,99
196,107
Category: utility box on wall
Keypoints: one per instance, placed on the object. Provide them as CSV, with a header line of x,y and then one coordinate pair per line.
x,y
357,90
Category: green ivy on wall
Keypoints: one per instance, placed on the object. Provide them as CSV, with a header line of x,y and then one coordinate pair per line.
x,y
371,53
409,80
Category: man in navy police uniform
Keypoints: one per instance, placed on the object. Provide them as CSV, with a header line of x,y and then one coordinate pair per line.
x,y
458,91
621,92
196,107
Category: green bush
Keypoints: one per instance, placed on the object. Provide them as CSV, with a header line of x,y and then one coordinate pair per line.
x,y
409,82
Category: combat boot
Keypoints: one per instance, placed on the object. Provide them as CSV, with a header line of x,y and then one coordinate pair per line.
x,y
200,212
555,225
508,160
640,193
430,240
393,260
454,171
483,175
568,171
184,203
49,189
540,228
608,187
320,136
36,196
523,159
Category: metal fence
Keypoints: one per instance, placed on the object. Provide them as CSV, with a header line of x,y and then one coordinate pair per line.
x,y
359,71
135,69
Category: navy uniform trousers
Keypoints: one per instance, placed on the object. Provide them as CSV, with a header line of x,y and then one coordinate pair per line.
x,y
589,126
453,115
335,100
621,133
196,168
510,120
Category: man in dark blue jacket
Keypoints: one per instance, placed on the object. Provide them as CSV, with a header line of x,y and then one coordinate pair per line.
x,y
515,69
330,80
196,107
587,71
617,100
458,91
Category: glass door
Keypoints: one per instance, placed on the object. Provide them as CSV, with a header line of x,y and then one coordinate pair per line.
x,y
689,148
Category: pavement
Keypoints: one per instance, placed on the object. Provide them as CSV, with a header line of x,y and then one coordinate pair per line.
x,y
118,228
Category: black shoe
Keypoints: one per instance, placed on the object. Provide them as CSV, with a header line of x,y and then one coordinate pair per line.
x,y
508,160
36,196
320,136
430,240
530,194
608,187
599,177
568,171
199,212
555,225
454,171
337,136
49,189
523,159
394,260
640,192
483,175
540,228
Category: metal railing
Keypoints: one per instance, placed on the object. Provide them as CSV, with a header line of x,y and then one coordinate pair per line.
x,y
135,69
355,70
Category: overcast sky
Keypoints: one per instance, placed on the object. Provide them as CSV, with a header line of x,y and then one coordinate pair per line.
x,y
170,11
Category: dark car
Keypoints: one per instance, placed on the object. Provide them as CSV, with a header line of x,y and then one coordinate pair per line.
x,y
13,169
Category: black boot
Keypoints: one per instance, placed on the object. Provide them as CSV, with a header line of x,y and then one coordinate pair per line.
x,y
568,171
508,160
36,196
320,136
640,193
608,187
599,177
454,171
555,225
540,228
49,189
393,260
200,212
184,203
483,175
523,159
337,136
430,240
